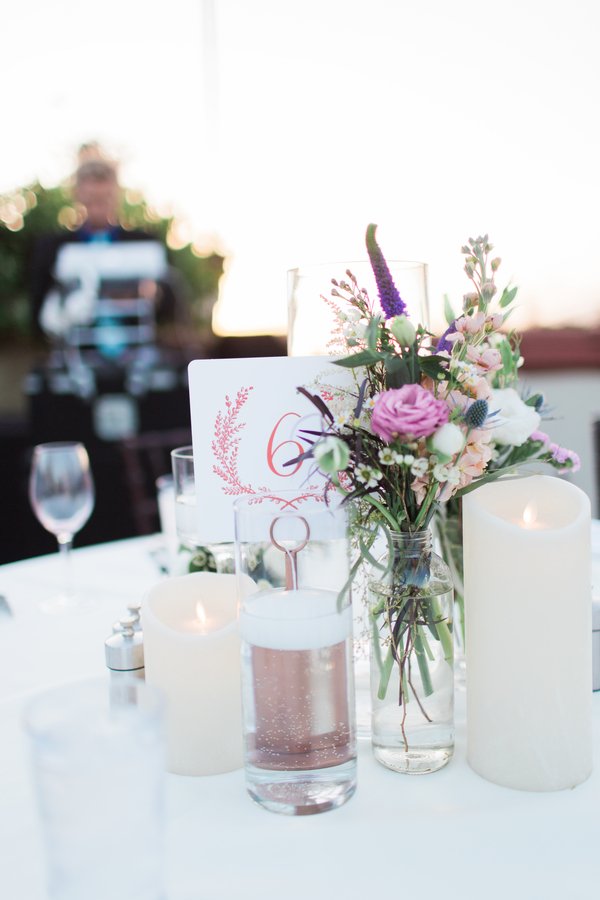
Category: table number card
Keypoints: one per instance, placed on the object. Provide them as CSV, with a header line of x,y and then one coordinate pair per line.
x,y
246,415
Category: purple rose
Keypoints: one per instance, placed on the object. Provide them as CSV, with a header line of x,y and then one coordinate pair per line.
x,y
408,412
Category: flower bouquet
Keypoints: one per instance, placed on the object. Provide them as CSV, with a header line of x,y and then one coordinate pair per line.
x,y
515,442
415,432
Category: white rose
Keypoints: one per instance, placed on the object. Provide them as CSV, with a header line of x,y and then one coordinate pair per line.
x,y
515,421
447,440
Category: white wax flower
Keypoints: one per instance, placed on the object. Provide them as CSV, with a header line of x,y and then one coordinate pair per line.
x,y
447,440
515,420
355,330
419,467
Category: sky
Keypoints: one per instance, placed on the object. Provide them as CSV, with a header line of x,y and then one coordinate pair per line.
x,y
277,130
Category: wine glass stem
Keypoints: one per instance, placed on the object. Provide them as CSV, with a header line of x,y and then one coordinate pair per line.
x,y
65,542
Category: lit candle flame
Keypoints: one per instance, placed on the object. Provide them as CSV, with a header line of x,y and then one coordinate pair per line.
x,y
201,615
530,516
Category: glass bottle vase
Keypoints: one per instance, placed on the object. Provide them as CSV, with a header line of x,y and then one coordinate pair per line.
x,y
448,531
412,656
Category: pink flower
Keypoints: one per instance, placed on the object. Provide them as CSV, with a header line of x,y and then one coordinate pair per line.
x,y
409,412
495,321
574,457
473,461
487,360
562,456
419,487
540,436
470,324
482,389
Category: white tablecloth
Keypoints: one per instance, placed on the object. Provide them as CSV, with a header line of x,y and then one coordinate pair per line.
x,y
448,835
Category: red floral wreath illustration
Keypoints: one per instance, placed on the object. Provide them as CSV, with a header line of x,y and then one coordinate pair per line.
x,y
226,446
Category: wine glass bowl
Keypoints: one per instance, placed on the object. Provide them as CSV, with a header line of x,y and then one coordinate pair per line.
x,y
61,493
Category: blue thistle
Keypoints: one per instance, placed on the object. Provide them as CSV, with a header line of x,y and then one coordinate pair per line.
x,y
476,414
391,301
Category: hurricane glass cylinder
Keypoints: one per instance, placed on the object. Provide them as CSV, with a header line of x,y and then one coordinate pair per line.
x,y
296,629
311,320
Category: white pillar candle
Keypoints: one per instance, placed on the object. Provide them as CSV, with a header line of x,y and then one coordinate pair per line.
x,y
527,568
192,653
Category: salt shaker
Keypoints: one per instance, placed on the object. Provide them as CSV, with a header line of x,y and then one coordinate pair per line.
x,y
124,652
133,609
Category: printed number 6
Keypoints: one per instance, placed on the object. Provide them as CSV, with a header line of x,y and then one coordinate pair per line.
x,y
272,450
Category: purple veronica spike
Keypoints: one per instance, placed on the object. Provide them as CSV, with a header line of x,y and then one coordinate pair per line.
x,y
443,344
391,301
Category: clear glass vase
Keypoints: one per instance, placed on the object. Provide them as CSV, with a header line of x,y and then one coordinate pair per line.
x,y
412,657
449,542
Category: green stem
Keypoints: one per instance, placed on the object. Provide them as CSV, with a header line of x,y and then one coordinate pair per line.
x,y
384,512
425,505
443,630
422,661
386,672
376,646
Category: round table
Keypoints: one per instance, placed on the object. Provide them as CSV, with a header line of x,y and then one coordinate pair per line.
x,y
448,835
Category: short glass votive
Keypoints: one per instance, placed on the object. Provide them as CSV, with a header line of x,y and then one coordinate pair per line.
x,y
165,496
297,673
195,554
99,774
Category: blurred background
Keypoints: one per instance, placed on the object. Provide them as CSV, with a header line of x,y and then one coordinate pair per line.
x,y
254,137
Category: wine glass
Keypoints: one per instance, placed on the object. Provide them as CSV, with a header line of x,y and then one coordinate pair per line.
x,y
61,492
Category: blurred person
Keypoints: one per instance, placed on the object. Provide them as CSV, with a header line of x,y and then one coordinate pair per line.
x,y
97,190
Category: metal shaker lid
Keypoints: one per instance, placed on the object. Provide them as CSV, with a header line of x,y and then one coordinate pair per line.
x,y
133,609
124,650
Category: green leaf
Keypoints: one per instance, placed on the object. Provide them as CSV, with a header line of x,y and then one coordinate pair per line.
x,y
534,400
508,295
492,476
448,311
397,372
364,358
373,333
433,366
412,360
509,367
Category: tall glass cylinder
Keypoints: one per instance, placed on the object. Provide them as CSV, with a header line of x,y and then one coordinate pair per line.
x,y
311,319
412,656
312,327
296,628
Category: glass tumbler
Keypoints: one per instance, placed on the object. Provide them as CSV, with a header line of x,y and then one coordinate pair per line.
x,y
200,556
98,768
292,563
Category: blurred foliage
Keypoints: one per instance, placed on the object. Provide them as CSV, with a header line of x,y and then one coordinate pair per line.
x,y
32,211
